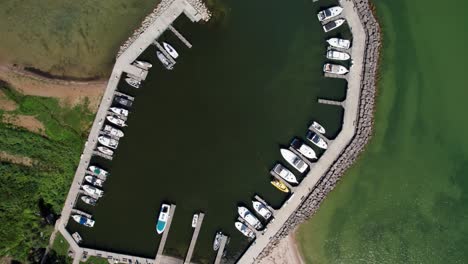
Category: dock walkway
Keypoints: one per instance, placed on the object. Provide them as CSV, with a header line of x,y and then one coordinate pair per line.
x,y
331,102
162,243
219,255
182,38
193,242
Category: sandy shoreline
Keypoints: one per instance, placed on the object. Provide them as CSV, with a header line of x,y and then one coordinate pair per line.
x,y
286,252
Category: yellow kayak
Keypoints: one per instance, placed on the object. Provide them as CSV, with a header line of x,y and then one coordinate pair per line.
x,y
280,186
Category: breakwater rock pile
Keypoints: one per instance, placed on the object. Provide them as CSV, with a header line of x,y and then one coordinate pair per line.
x,y
363,133
162,6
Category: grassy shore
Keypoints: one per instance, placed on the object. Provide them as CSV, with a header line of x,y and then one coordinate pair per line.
x,y
405,200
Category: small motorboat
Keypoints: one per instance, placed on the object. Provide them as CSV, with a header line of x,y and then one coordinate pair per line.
x,y
249,217
116,121
94,181
303,148
339,43
333,24
93,191
194,220
112,131
98,171
83,220
89,200
280,185
318,127
316,140
217,241
165,61
329,13
123,101
105,150
337,55
294,160
244,230
133,82
143,65
336,69
284,173
119,111
77,237
108,142
170,50
261,209
162,218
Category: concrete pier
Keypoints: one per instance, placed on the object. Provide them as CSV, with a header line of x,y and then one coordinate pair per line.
x,y
193,242
164,235
331,102
274,174
182,38
338,76
272,210
219,255
161,48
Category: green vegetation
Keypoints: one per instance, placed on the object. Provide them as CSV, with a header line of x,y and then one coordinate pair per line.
x,y
96,260
29,194
71,38
59,251
405,201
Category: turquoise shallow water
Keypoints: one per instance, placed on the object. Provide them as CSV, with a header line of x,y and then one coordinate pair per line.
x,y
205,135
405,200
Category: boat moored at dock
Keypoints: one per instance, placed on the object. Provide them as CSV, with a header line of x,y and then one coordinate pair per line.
x,y
133,82
83,220
119,111
244,230
165,61
170,50
194,220
318,127
262,210
112,131
280,185
294,160
162,218
329,13
94,181
89,200
105,150
339,43
316,140
303,148
108,142
333,25
217,240
123,101
249,217
93,191
116,121
334,68
284,173
337,55
98,171
143,64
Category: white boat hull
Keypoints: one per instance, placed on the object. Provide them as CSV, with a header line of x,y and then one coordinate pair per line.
x,y
249,217
339,43
318,127
294,160
244,230
337,55
335,69
170,50
285,174
261,209
329,13
333,25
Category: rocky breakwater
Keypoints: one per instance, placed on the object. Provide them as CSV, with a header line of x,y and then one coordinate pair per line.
x,y
161,7
363,128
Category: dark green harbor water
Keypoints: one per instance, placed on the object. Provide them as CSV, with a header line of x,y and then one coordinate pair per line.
x,y
205,135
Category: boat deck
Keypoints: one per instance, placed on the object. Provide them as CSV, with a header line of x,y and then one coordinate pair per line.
x,y
274,174
272,210
161,48
159,254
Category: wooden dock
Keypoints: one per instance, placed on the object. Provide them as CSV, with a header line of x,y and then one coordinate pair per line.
x,y
169,57
182,38
219,255
102,155
193,242
274,174
272,210
159,254
330,102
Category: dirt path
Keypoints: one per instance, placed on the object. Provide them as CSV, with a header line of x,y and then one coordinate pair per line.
x,y
287,252
5,103
16,159
68,92
27,122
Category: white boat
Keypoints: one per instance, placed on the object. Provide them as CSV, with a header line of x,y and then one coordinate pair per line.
x,y
77,237
119,111
143,65
132,82
303,148
108,142
317,140
333,68
249,217
98,171
329,13
89,200
318,127
217,241
83,220
123,101
261,209
105,150
194,220
162,218
116,121
112,131
93,191
284,173
244,230
294,160
339,43
333,24
165,61
94,181
337,55
170,50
